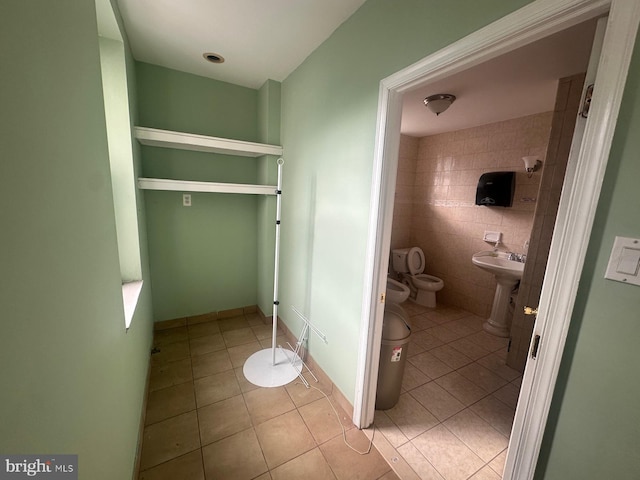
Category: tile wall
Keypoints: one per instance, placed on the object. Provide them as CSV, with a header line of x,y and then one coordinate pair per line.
x,y
435,201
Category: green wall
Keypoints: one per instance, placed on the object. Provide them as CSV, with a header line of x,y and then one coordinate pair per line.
x,y
206,257
329,107
72,378
329,115
594,426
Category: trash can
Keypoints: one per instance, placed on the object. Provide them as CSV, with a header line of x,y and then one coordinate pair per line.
x,y
393,355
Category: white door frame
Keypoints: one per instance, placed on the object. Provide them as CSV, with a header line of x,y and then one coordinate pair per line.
x,y
575,214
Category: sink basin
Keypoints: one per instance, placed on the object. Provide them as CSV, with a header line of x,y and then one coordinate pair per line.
x,y
508,273
498,264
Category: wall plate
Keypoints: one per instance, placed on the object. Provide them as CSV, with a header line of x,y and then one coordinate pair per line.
x,y
624,262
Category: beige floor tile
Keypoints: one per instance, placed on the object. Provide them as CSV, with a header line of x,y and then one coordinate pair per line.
x,y
448,454
349,465
469,348
170,352
169,402
266,403
444,334
425,340
390,475
167,324
211,363
281,340
302,395
164,337
508,394
430,365
464,390
452,357
486,473
240,353
322,420
437,400
169,374
233,323
263,331
206,344
216,387
238,457
482,377
420,465
421,322
478,435
488,341
385,426
169,439
496,413
203,318
412,378
245,385
222,419
283,438
186,467
203,329
308,466
239,336
411,417
497,464
498,366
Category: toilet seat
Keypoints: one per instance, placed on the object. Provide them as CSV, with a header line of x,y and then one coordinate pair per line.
x,y
415,261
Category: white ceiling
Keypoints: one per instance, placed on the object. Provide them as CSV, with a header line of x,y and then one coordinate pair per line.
x,y
263,40
259,39
521,82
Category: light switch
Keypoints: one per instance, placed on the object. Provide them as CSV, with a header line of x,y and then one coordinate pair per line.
x,y
624,262
629,261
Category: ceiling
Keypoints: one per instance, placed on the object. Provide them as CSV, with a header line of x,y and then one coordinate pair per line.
x,y
259,39
519,83
263,40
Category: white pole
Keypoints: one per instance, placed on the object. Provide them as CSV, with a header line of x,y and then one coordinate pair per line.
x,y
276,265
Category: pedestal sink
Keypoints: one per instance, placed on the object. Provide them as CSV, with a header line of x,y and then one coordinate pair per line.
x,y
508,273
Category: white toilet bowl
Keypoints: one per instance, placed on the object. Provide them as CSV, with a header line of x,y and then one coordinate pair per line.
x,y
397,292
410,263
427,286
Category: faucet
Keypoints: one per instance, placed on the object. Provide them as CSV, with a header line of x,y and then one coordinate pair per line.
x,y
517,257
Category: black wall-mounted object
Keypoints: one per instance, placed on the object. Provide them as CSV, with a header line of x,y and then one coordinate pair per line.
x,y
495,189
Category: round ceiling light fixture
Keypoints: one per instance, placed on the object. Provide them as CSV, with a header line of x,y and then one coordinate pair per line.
x,y
439,102
213,57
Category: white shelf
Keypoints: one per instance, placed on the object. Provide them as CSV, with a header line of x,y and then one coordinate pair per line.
x,y
210,187
202,143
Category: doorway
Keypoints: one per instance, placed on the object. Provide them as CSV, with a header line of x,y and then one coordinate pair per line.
x,y
577,205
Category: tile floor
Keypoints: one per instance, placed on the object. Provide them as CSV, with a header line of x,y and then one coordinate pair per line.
x,y
455,412
205,421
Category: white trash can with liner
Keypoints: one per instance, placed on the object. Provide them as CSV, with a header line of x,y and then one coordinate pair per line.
x,y
393,356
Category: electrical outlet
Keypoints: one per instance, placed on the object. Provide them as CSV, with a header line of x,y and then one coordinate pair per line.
x,y
186,199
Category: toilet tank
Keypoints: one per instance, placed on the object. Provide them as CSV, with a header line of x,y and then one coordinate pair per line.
x,y
399,260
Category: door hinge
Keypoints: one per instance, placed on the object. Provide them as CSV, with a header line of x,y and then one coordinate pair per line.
x,y
536,344
382,298
587,101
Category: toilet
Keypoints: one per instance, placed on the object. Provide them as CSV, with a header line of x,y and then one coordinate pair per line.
x,y
409,263
397,292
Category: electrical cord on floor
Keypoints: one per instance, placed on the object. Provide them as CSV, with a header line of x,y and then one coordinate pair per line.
x,y
344,432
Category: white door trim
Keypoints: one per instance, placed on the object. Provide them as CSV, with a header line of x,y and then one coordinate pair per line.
x,y
576,210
